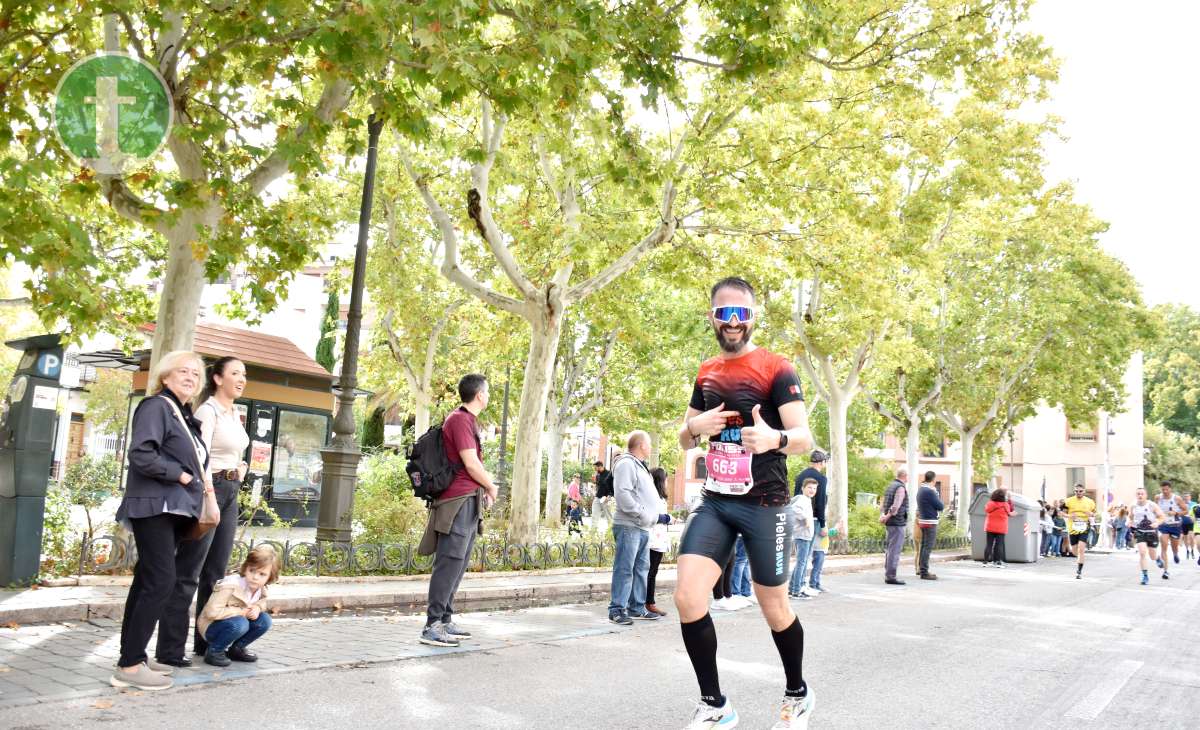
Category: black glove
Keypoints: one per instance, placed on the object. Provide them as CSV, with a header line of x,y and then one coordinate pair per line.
x,y
664,519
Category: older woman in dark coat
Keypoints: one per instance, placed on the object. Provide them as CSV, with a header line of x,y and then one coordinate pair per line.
x,y
164,491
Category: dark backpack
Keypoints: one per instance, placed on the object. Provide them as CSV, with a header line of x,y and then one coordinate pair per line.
x,y
429,470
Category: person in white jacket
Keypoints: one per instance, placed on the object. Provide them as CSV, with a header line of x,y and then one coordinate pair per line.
x,y
801,514
660,539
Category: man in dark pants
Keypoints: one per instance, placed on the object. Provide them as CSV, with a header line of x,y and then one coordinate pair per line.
x,y
456,517
894,517
929,504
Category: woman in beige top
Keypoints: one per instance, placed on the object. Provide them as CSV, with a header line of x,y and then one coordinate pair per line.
x,y
227,440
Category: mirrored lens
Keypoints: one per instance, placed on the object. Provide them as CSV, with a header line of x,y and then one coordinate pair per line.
x,y
726,314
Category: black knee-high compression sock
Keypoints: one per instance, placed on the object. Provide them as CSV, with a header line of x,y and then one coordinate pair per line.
x,y
700,640
790,643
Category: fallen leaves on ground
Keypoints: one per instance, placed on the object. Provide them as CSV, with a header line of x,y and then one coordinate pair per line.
x,y
102,704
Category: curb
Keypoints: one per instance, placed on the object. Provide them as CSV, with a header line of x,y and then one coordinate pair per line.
x,y
413,597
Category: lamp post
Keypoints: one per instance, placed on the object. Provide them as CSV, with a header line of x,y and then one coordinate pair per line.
x,y
340,459
1108,479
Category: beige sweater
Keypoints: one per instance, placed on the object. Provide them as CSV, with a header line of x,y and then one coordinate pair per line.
x,y
229,599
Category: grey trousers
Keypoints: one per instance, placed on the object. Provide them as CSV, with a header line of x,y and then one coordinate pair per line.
x,y
450,561
928,538
895,543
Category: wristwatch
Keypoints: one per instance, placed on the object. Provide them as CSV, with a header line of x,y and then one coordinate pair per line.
x,y
783,441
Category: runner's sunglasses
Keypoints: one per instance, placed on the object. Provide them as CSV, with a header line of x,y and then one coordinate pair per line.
x,y
726,314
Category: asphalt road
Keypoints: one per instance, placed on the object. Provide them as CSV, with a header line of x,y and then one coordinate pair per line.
x,y
1020,647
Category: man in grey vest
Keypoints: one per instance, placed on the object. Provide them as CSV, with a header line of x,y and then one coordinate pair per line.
x,y
893,515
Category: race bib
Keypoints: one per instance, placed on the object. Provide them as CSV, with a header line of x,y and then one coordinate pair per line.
x,y
1079,525
728,468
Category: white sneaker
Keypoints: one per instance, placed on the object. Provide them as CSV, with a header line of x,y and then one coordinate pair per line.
x,y
706,716
751,598
737,603
720,604
796,712
809,591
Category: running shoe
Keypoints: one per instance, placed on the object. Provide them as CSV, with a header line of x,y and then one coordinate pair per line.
x,y
1145,579
813,590
706,716
435,635
737,603
644,616
751,598
805,596
1177,558
456,631
620,618
1159,561
1166,575
722,604
795,712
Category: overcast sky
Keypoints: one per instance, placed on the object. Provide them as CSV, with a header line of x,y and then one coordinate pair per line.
x,y
1127,94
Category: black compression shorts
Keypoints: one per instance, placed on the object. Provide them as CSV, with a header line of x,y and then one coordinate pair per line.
x,y
714,525
1079,537
1149,537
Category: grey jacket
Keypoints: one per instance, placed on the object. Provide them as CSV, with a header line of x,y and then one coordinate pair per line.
x,y
633,487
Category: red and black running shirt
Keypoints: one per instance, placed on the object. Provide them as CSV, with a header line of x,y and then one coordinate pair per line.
x,y
756,378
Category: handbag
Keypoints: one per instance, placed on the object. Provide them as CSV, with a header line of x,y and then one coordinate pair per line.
x,y
210,513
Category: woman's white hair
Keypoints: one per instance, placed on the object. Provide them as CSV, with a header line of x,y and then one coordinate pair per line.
x,y
168,363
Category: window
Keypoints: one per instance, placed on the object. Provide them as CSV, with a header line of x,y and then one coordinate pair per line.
x,y
1081,433
700,471
936,452
299,438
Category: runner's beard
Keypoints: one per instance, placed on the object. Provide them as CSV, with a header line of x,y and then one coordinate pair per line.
x,y
733,346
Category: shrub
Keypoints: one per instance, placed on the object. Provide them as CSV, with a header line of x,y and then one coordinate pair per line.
x,y
385,509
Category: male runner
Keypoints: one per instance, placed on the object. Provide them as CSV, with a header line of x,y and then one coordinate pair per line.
x,y
1079,520
747,403
1171,527
1145,516
1188,524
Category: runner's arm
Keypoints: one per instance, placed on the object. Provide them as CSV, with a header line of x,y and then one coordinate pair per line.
x,y
688,440
795,424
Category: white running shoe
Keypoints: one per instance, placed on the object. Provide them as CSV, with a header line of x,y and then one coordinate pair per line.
x,y
721,604
706,716
737,603
796,712
809,591
751,598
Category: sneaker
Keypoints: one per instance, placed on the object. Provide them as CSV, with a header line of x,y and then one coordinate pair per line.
x,y
144,678
722,604
810,591
1079,576
805,596
1159,562
1001,565
737,603
928,576
435,635
157,666
1145,579
644,616
1177,558
751,598
795,712
620,618
1166,575
817,588
793,595
706,716
456,631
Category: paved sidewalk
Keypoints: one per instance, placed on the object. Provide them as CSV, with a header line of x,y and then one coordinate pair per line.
x,y
104,597
74,658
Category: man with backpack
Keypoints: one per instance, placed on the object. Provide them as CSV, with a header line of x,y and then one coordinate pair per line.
x,y
456,512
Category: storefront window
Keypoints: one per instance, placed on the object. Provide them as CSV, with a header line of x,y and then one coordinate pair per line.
x,y
299,438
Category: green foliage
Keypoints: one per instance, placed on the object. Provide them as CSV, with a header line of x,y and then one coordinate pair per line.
x,y
89,482
57,535
372,429
325,356
1173,456
385,509
1172,371
864,522
108,400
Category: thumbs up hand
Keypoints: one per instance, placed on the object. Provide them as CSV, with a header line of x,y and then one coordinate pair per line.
x,y
759,437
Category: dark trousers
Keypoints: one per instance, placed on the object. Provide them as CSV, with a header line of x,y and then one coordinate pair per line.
x,y
994,549
216,563
451,557
925,549
155,579
655,558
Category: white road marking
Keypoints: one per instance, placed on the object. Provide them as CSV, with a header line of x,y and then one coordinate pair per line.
x,y
1090,707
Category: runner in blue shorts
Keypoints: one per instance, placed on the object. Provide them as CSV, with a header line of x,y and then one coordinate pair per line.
x,y
747,404
1172,527
1187,524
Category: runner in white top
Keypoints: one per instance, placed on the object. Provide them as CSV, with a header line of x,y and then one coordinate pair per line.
x,y
1171,527
1145,517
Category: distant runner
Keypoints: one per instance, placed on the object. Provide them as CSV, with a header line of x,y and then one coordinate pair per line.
x,y
1145,516
1172,526
1079,522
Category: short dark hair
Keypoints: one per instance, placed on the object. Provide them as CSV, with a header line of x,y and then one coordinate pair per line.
x,y
929,476
470,385
997,495
731,282
1165,483
599,464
